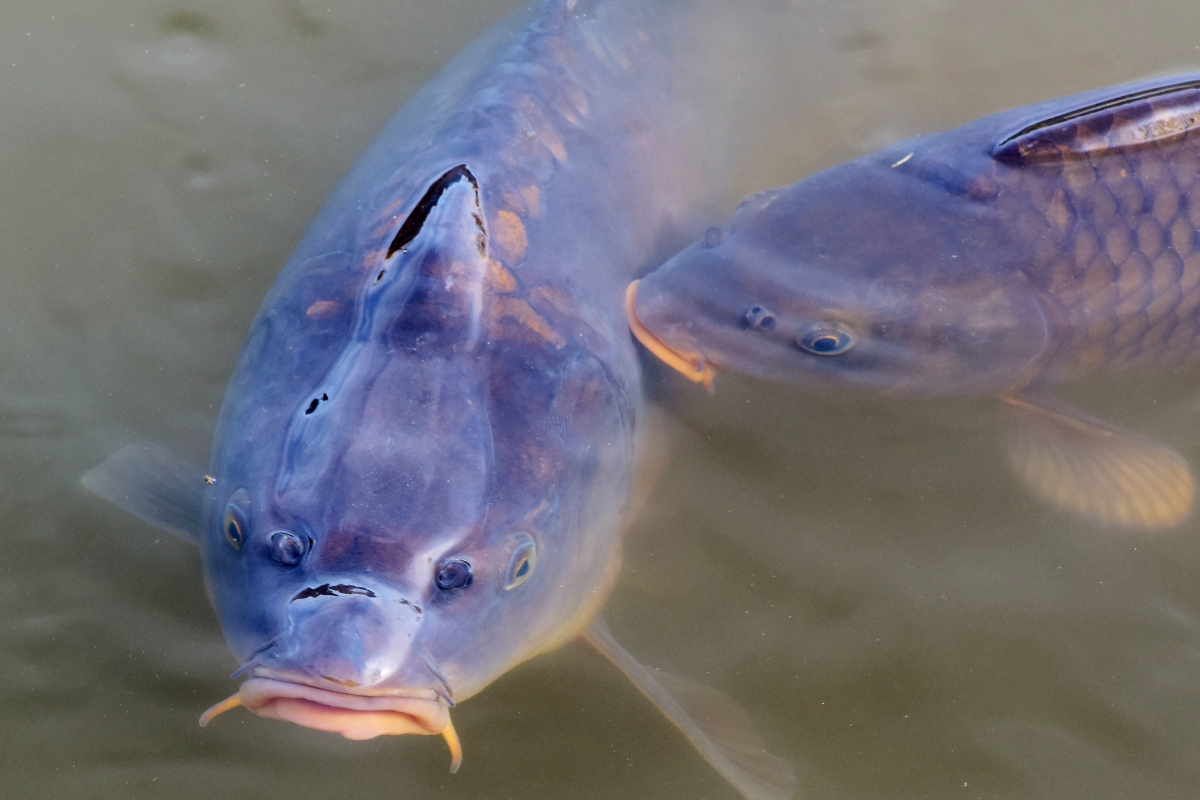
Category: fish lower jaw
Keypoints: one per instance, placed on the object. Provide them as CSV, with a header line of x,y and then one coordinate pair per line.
x,y
354,716
692,365
352,724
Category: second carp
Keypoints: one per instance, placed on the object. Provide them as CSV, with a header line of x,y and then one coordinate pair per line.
x,y
1026,248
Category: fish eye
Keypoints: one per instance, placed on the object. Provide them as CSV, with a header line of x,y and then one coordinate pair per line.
x,y
454,574
234,526
521,564
759,318
825,339
287,548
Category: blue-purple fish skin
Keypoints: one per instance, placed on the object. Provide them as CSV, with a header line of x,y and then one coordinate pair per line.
x,y
423,461
1026,248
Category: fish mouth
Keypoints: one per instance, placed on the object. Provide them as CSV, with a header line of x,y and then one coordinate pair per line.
x,y
354,716
691,365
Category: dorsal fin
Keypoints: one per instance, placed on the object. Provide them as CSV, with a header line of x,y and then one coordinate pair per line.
x,y
1112,119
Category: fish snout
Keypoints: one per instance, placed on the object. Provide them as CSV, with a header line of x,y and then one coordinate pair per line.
x,y
345,635
665,337
346,663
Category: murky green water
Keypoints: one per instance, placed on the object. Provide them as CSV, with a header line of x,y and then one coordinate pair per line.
x,y
864,576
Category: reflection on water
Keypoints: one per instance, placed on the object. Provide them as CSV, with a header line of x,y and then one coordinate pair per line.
x,y
863,575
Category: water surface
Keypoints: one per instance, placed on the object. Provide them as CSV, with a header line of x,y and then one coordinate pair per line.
x,y
862,575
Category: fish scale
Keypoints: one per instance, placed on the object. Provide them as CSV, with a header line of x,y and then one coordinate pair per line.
x,y
1122,229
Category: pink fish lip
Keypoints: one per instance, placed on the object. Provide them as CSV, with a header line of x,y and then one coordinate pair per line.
x,y
354,716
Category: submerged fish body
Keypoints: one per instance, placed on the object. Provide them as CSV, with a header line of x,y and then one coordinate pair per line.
x,y
1028,247
424,456
435,400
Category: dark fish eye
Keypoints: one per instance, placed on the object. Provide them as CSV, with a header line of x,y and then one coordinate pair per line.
x,y
825,339
760,318
234,526
713,236
287,548
521,564
455,574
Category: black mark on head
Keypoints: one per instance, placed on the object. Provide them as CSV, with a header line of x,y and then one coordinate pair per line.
x,y
325,590
316,401
412,225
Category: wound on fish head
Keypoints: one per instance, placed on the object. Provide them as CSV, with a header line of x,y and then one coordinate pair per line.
x,y
407,515
877,274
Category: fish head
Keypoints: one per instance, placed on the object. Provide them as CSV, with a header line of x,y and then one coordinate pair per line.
x,y
403,516
861,276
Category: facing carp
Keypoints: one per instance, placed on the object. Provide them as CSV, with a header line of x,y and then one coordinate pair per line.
x,y
424,456
1029,247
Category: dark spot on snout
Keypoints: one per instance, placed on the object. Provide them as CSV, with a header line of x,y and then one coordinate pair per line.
x,y
416,608
326,590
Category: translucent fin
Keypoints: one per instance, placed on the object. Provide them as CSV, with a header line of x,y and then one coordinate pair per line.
x,y
1110,119
716,727
154,485
1096,470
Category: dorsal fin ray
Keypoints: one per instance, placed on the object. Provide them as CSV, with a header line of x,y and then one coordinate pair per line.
x,y
1110,119
711,721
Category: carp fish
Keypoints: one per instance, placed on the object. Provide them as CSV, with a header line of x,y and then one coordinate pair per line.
x,y
1026,248
424,456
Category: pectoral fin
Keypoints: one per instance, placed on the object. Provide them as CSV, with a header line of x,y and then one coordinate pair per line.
x,y
1081,464
154,485
715,726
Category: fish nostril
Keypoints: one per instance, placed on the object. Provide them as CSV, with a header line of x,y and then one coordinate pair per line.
x,y
760,318
286,548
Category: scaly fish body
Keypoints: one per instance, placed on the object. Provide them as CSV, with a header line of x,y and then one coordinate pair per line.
x,y
424,455
1032,246
1108,225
